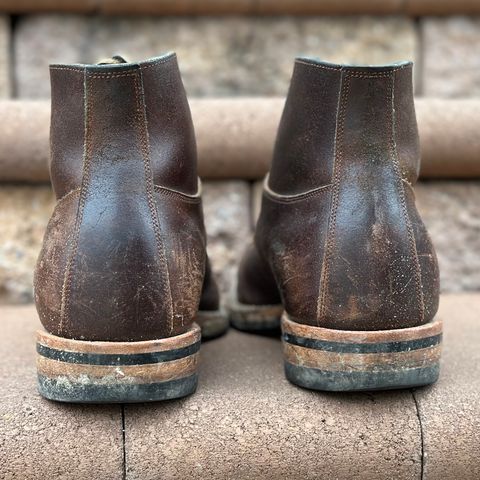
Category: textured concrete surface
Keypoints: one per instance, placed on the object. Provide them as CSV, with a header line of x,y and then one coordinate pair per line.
x,y
451,65
209,7
246,421
40,439
450,410
449,140
25,141
26,209
440,7
233,56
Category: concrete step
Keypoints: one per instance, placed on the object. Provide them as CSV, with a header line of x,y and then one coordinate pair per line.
x,y
246,421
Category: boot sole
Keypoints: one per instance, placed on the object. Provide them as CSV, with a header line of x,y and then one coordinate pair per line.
x,y
255,318
213,323
79,371
337,360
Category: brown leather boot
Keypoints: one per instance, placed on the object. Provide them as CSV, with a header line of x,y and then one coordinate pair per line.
x,y
119,280
339,239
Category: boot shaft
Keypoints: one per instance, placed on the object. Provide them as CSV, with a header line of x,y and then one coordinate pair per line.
x,y
124,253
371,109
338,225
114,109
339,238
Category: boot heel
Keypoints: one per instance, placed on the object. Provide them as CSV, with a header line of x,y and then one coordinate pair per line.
x,y
117,372
339,360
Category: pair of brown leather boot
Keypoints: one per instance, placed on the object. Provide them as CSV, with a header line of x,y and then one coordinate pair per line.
x,y
123,283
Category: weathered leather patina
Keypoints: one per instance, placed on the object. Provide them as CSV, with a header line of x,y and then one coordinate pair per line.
x,y
124,254
339,237
339,240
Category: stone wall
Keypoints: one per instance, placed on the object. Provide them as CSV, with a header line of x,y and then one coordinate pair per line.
x,y
236,56
249,55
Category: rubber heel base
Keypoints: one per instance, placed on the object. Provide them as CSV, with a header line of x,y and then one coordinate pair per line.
x,y
213,323
255,318
337,360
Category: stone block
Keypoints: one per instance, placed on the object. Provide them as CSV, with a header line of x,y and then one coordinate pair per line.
x,y
5,60
218,55
24,214
451,62
450,410
246,421
226,207
451,212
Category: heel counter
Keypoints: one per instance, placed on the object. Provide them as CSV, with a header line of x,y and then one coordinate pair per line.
x,y
427,259
184,243
49,273
116,283
290,236
407,145
256,284
371,276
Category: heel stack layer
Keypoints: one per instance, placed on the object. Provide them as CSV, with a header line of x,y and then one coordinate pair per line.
x,y
326,359
113,372
255,318
212,322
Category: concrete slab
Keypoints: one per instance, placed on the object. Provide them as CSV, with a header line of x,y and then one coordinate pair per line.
x,y
450,410
246,421
40,439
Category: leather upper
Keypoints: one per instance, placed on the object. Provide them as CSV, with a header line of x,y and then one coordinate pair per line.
x,y
339,231
124,253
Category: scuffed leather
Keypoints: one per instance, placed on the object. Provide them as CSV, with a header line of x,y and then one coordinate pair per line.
x,y
210,299
124,255
338,226
256,283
